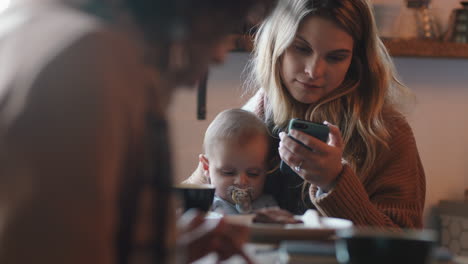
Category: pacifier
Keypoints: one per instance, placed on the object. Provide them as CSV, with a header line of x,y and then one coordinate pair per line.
x,y
242,198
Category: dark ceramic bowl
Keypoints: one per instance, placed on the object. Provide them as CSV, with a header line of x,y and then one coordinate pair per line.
x,y
371,246
199,196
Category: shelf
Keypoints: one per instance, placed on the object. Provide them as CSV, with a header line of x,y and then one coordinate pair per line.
x,y
396,47
426,48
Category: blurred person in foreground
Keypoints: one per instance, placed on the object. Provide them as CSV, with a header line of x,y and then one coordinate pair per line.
x,y
84,160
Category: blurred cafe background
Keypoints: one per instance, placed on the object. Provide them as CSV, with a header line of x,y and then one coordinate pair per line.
x,y
428,40
435,68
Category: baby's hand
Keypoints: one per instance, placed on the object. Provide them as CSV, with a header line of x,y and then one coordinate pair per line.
x,y
275,215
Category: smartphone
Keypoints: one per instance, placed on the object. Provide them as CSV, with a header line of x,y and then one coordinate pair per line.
x,y
316,130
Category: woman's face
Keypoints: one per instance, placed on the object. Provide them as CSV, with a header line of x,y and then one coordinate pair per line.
x,y
317,61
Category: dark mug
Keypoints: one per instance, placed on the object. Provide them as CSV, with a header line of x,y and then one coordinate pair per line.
x,y
199,196
370,246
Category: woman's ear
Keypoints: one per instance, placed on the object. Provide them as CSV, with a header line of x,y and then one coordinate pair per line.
x,y
205,164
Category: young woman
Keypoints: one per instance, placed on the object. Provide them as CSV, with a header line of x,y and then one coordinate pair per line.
x,y
323,61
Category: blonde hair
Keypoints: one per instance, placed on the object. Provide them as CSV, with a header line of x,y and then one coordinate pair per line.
x,y
370,87
236,125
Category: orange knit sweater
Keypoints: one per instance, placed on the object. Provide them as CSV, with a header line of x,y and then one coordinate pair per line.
x,y
392,195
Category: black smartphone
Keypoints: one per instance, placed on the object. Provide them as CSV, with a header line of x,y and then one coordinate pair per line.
x,y
316,130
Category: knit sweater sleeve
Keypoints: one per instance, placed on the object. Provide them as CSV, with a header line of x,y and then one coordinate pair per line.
x,y
392,195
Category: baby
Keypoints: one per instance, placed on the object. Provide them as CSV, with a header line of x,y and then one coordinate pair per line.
x,y
236,147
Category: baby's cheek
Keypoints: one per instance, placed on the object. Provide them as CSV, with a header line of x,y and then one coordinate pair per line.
x,y
219,184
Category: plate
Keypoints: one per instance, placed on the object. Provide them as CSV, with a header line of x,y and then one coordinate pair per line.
x,y
274,233
324,228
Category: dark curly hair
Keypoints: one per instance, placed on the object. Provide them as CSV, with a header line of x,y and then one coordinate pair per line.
x,y
159,17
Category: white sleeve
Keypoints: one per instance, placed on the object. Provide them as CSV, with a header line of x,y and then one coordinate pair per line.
x,y
253,102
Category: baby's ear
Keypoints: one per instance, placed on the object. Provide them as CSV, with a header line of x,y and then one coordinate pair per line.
x,y
205,164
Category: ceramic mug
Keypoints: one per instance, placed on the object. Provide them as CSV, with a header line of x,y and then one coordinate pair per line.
x,y
370,246
199,196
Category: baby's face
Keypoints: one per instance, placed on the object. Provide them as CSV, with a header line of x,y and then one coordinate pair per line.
x,y
238,164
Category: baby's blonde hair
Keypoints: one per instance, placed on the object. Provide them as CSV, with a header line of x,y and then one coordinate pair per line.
x,y
235,125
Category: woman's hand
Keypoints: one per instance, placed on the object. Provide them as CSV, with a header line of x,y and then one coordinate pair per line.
x,y
319,165
200,237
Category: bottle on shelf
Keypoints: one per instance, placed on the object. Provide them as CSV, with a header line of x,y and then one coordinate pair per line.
x,y
417,21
